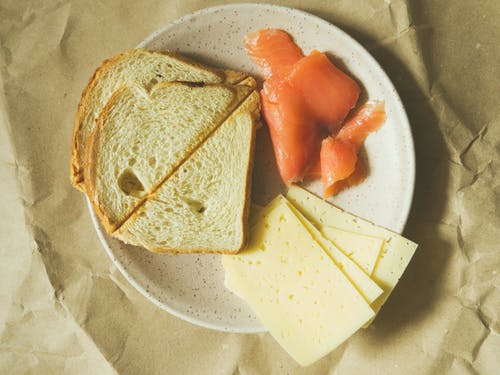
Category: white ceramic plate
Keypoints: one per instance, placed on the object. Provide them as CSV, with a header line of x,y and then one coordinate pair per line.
x,y
192,286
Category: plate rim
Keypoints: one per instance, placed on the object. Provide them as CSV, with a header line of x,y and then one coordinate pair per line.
x,y
405,209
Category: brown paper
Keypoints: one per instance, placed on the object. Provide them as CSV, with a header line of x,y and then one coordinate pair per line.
x,y
64,308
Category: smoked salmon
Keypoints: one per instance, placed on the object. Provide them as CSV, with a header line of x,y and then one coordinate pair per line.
x,y
295,136
339,154
305,100
329,93
273,51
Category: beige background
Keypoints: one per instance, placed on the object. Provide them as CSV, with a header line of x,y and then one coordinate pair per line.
x,y
65,309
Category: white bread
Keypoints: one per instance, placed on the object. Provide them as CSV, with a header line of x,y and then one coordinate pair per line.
x,y
141,138
139,67
204,205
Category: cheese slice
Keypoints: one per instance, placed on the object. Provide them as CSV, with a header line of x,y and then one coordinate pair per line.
x,y
396,252
364,250
361,281
301,296
358,277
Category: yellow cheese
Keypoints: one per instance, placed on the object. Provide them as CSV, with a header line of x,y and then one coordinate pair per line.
x,y
301,296
361,281
364,250
395,255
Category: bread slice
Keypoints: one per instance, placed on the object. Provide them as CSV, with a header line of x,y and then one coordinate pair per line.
x,y
204,205
143,137
140,67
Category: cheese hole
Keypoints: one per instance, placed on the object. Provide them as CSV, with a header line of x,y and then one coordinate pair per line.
x,y
290,296
300,273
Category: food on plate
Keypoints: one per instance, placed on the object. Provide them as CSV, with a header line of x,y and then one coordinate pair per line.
x,y
315,274
141,67
167,165
203,206
298,292
357,275
328,92
362,249
305,101
339,153
296,138
142,137
396,251
273,50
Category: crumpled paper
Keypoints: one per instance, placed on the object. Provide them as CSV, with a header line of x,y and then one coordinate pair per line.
x,y
64,308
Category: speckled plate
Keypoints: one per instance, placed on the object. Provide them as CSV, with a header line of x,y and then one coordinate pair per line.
x,y
192,286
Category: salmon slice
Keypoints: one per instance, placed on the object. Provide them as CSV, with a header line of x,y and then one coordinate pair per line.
x,y
328,92
303,100
358,176
273,51
314,172
339,154
295,136
338,160
369,118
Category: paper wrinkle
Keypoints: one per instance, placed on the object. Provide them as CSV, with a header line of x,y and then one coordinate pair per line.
x,y
90,304
491,314
464,340
400,16
42,250
43,244
22,50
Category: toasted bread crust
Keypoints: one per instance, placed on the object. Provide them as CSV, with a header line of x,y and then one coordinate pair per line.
x,y
89,179
77,165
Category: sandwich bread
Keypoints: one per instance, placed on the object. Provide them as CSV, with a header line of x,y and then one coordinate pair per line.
x,y
204,205
141,67
141,138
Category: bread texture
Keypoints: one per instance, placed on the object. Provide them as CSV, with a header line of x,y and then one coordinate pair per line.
x,y
142,137
139,67
204,205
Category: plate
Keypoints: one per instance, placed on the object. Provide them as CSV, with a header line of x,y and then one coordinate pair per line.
x,y
191,287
